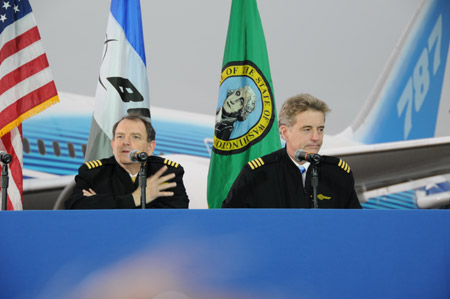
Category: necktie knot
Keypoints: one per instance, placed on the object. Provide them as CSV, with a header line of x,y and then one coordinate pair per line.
x,y
302,169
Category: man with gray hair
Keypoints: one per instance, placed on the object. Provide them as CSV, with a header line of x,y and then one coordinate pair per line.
x,y
236,107
279,180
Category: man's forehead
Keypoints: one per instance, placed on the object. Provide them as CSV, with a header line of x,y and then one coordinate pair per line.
x,y
130,127
310,116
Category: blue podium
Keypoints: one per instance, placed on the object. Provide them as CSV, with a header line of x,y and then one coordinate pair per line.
x,y
225,254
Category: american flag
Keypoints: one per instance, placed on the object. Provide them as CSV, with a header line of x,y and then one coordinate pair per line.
x,y
26,85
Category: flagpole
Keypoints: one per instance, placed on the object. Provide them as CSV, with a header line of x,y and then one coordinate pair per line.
x,y
5,184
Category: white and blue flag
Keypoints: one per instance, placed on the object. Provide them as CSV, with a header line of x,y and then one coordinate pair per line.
x,y
123,83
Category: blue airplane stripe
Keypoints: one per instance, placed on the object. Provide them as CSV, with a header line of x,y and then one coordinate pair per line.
x,y
182,144
55,159
403,201
181,149
52,171
402,198
177,137
51,155
186,130
389,203
60,136
73,124
397,202
191,128
387,199
184,134
383,206
370,206
51,167
75,128
168,152
182,140
49,143
34,151
62,142
159,151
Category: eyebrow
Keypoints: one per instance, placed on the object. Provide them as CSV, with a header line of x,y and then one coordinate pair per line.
x,y
132,134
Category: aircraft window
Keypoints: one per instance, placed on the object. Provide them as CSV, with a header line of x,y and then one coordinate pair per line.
x,y
26,146
71,150
41,146
56,149
83,148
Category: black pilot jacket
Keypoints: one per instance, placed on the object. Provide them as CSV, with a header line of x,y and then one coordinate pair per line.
x,y
113,186
274,181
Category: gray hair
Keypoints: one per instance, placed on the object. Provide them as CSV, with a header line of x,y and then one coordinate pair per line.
x,y
297,104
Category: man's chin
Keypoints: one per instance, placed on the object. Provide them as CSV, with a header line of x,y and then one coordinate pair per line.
x,y
313,150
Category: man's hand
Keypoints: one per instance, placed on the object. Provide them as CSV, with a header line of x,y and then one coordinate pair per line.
x,y
89,192
156,184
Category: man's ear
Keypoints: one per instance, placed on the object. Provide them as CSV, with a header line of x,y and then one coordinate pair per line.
x,y
283,131
151,147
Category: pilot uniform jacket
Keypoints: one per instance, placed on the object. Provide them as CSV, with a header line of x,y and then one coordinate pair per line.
x,y
275,181
113,186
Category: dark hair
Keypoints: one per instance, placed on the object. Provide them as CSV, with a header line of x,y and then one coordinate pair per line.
x,y
151,134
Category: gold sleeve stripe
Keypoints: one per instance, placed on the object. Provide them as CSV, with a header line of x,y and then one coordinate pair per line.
x,y
344,166
93,164
171,163
257,162
261,161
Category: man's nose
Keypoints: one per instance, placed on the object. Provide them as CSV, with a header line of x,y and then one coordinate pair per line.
x,y
126,140
315,135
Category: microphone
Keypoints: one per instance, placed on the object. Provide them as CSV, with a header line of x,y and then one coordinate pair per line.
x,y
5,157
301,155
137,156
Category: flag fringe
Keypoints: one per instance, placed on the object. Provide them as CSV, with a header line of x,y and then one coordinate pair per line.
x,y
35,110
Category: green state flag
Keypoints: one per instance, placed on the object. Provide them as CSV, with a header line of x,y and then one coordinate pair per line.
x,y
246,121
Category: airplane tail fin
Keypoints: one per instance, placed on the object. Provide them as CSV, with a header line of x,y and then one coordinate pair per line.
x,y
411,99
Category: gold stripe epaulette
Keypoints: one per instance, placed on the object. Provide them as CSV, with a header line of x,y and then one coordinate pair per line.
x,y
171,163
256,163
93,164
342,164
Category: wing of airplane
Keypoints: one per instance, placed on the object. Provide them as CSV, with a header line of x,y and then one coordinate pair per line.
x,y
378,165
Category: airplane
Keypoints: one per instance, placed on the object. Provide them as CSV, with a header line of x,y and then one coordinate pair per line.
x,y
397,146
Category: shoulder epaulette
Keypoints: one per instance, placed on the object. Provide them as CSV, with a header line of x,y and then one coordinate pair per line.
x,y
256,163
170,163
342,164
93,164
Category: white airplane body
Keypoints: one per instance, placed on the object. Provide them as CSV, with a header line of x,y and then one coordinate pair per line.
x,y
398,146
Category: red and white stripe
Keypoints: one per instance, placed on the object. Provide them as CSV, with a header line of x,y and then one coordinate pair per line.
x,y
12,144
26,88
